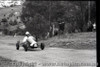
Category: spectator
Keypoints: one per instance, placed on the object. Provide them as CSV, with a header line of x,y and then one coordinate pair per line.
x,y
90,26
61,26
94,26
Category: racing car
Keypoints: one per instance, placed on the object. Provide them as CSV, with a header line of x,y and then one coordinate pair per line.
x,y
27,46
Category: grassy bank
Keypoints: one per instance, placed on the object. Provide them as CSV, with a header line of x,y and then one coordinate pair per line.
x,y
86,40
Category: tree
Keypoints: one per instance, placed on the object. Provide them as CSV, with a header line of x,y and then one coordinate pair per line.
x,y
39,15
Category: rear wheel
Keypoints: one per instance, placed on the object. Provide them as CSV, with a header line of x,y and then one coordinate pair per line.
x,y
25,47
42,46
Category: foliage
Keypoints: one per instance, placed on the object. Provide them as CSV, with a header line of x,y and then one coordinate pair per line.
x,y
39,15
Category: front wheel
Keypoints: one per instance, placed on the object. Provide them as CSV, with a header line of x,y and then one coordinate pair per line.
x,y
42,46
17,45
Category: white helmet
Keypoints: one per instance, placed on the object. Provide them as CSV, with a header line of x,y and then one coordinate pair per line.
x,y
27,33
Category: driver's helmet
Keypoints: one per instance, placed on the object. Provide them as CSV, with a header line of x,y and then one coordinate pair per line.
x,y
27,33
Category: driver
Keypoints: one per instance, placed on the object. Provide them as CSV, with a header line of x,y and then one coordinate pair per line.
x,y
30,39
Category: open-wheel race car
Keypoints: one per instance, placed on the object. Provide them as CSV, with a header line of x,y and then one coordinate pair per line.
x,y
27,46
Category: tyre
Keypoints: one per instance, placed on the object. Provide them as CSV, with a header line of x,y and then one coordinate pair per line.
x,y
17,45
42,46
25,47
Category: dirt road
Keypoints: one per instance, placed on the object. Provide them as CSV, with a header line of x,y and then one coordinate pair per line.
x,y
53,56
50,56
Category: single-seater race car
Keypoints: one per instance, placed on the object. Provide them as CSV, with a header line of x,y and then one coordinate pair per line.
x,y
27,46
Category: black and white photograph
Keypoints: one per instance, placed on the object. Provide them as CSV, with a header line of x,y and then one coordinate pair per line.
x,y
48,33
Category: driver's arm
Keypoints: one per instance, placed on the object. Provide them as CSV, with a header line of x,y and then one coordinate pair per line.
x,y
24,39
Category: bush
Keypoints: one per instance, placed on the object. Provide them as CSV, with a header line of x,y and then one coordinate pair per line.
x,y
69,28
